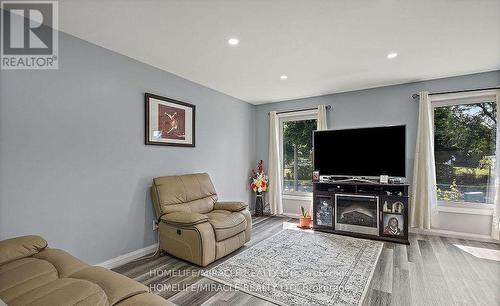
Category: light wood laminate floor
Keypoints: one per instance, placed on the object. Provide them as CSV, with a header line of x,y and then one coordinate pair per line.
x,y
432,270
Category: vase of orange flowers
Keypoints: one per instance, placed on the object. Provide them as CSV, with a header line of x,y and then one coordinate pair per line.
x,y
259,184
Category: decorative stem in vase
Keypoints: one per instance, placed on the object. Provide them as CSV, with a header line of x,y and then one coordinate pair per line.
x,y
259,184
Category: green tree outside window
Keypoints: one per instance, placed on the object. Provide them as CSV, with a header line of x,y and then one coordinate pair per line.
x,y
464,145
297,155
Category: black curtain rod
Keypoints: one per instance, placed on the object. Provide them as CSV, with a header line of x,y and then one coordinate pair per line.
x,y
301,110
414,96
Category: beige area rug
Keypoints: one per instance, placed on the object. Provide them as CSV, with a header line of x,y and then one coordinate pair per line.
x,y
303,268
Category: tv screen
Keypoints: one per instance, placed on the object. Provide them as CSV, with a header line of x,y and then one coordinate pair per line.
x,y
361,152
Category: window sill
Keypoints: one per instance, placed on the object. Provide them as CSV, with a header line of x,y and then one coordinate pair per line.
x,y
466,208
298,196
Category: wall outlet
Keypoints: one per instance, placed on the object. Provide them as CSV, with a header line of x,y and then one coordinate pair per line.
x,y
155,225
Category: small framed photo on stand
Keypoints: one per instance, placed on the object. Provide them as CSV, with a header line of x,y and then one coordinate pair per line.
x,y
315,176
393,225
384,179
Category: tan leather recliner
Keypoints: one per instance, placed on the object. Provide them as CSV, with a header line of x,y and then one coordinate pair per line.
x,y
193,225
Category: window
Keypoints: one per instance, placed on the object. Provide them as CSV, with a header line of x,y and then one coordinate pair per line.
x,y
296,139
464,149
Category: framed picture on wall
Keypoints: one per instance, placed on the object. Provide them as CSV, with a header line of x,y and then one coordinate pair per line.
x,y
169,122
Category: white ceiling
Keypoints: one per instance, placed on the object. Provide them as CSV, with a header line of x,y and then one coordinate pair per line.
x,y
324,46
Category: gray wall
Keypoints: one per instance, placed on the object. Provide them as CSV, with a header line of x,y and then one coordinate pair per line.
x,y
372,107
73,166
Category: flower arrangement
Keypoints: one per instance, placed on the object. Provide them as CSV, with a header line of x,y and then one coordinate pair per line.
x,y
259,179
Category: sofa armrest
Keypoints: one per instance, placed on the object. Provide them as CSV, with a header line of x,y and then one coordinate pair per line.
x,y
230,206
183,218
20,247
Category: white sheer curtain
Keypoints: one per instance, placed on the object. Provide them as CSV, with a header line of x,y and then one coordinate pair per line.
x,y
424,213
275,173
321,124
495,229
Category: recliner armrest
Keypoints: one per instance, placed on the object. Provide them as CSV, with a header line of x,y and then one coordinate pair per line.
x,y
230,206
183,218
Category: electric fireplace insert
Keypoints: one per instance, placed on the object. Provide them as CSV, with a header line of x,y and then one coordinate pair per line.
x,y
357,213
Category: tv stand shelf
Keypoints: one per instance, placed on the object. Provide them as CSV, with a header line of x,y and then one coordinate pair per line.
x,y
363,209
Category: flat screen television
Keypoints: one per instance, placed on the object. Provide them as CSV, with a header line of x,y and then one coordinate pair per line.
x,y
361,152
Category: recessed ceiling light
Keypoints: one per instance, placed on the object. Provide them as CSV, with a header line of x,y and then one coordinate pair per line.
x,y
392,55
283,77
233,41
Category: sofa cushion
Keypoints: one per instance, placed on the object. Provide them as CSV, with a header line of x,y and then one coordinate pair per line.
x,y
20,247
64,263
63,291
184,219
23,275
226,224
145,299
116,286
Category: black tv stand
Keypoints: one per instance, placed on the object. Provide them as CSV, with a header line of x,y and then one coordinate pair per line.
x,y
362,208
353,180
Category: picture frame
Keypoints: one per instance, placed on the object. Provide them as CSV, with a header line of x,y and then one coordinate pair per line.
x,y
393,225
169,122
315,176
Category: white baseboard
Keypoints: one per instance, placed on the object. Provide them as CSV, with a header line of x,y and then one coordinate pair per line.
x,y
126,258
452,234
295,216
435,232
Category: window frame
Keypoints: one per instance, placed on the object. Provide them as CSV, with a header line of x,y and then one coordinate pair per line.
x,y
287,117
452,99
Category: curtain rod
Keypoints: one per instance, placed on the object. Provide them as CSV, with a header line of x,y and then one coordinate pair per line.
x,y
300,110
414,96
